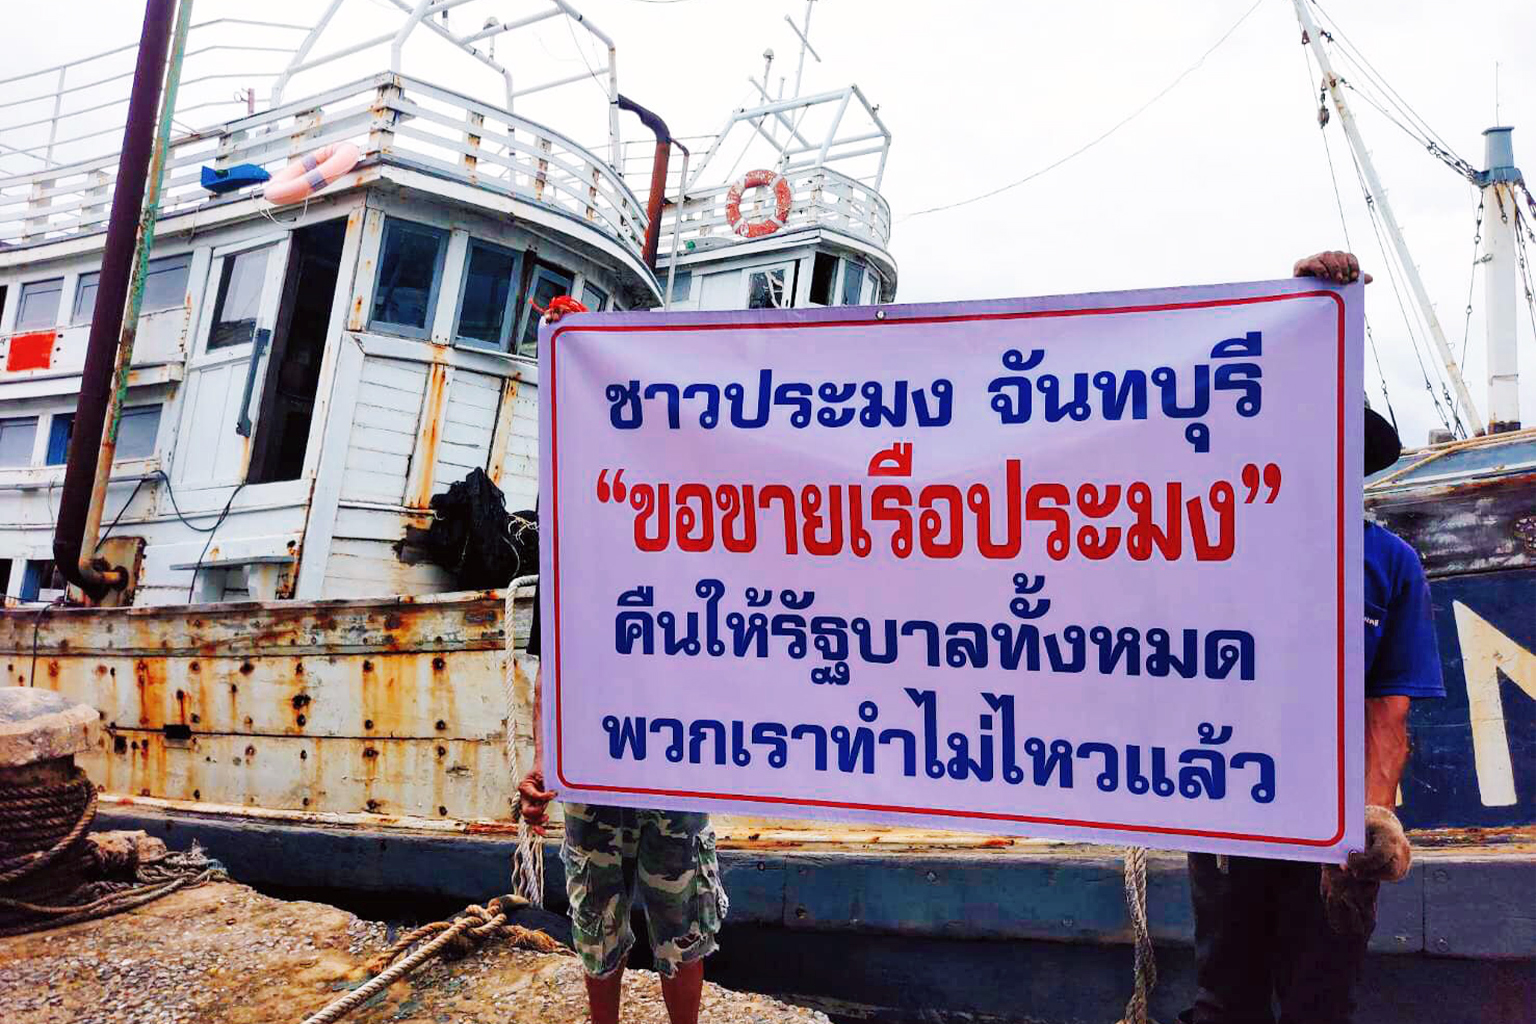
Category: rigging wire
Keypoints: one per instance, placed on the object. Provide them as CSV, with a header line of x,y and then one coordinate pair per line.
x,y
581,52
1477,243
1394,268
1523,255
1338,198
1455,163
1417,127
1100,138
1347,47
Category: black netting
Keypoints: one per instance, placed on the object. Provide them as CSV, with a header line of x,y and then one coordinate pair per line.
x,y
474,536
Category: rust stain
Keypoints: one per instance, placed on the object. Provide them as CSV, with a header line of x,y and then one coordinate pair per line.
x,y
424,459
764,844
501,436
149,680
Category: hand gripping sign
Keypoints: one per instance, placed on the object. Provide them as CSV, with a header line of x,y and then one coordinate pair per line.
x,y
1076,567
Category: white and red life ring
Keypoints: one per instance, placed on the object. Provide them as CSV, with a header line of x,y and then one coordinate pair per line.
x,y
308,175
782,198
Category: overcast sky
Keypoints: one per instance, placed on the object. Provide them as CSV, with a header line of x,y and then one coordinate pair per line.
x,y
1222,179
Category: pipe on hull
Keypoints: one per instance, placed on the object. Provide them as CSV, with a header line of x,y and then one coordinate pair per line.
x,y
111,297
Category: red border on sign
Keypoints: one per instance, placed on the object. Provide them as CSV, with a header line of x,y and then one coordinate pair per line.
x,y
554,469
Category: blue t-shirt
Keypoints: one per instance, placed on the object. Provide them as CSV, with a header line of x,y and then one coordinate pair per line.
x,y
1402,657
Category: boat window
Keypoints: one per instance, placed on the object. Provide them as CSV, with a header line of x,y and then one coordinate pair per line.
x,y
768,289
5,579
39,304
485,303
16,438
682,285
593,297
240,287
165,287
136,433
548,282
61,428
853,282
410,269
39,581
823,277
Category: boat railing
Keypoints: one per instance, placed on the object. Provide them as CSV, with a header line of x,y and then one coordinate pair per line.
x,y
822,197
394,119
58,115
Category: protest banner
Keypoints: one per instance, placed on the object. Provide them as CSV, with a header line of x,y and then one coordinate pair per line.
x,y
1080,567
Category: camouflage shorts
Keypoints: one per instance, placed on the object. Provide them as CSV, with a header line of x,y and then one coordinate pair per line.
x,y
669,856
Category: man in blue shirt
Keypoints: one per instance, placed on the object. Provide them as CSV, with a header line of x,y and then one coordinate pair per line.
x,y
1297,932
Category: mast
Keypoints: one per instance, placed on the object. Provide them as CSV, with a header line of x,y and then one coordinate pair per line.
x,y
1378,197
1499,227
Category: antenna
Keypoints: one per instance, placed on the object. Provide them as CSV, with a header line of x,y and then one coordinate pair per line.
x,y
1496,93
804,32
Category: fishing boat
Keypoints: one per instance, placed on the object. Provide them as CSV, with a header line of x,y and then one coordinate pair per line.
x,y
286,674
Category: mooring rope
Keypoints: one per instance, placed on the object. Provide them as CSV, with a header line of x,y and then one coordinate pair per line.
x,y
470,928
528,855
46,867
42,824
1146,956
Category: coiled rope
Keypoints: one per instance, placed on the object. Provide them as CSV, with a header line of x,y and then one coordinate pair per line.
x,y
1146,957
41,826
528,855
49,875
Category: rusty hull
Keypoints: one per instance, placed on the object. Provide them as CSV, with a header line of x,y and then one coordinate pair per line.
x,y
1466,526
391,707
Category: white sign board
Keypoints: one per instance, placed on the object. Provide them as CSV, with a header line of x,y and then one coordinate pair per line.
x,y
1081,567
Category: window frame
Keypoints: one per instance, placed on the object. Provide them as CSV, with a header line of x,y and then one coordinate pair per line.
x,y
21,303
56,442
787,268
31,456
77,318
684,278
539,270
514,298
842,282
56,452
226,263
158,408
442,235
602,303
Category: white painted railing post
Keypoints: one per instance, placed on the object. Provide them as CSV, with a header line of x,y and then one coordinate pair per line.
x,y
381,137
471,160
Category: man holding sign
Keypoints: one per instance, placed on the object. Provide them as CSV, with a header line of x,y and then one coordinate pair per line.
x,y
608,850
1260,930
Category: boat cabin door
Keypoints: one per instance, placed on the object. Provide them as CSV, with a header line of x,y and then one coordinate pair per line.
x,y
227,370
252,383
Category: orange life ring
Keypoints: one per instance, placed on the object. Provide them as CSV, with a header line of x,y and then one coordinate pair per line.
x,y
306,176
782,197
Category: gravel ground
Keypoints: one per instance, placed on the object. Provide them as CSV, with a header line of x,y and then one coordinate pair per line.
x,y
224,954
